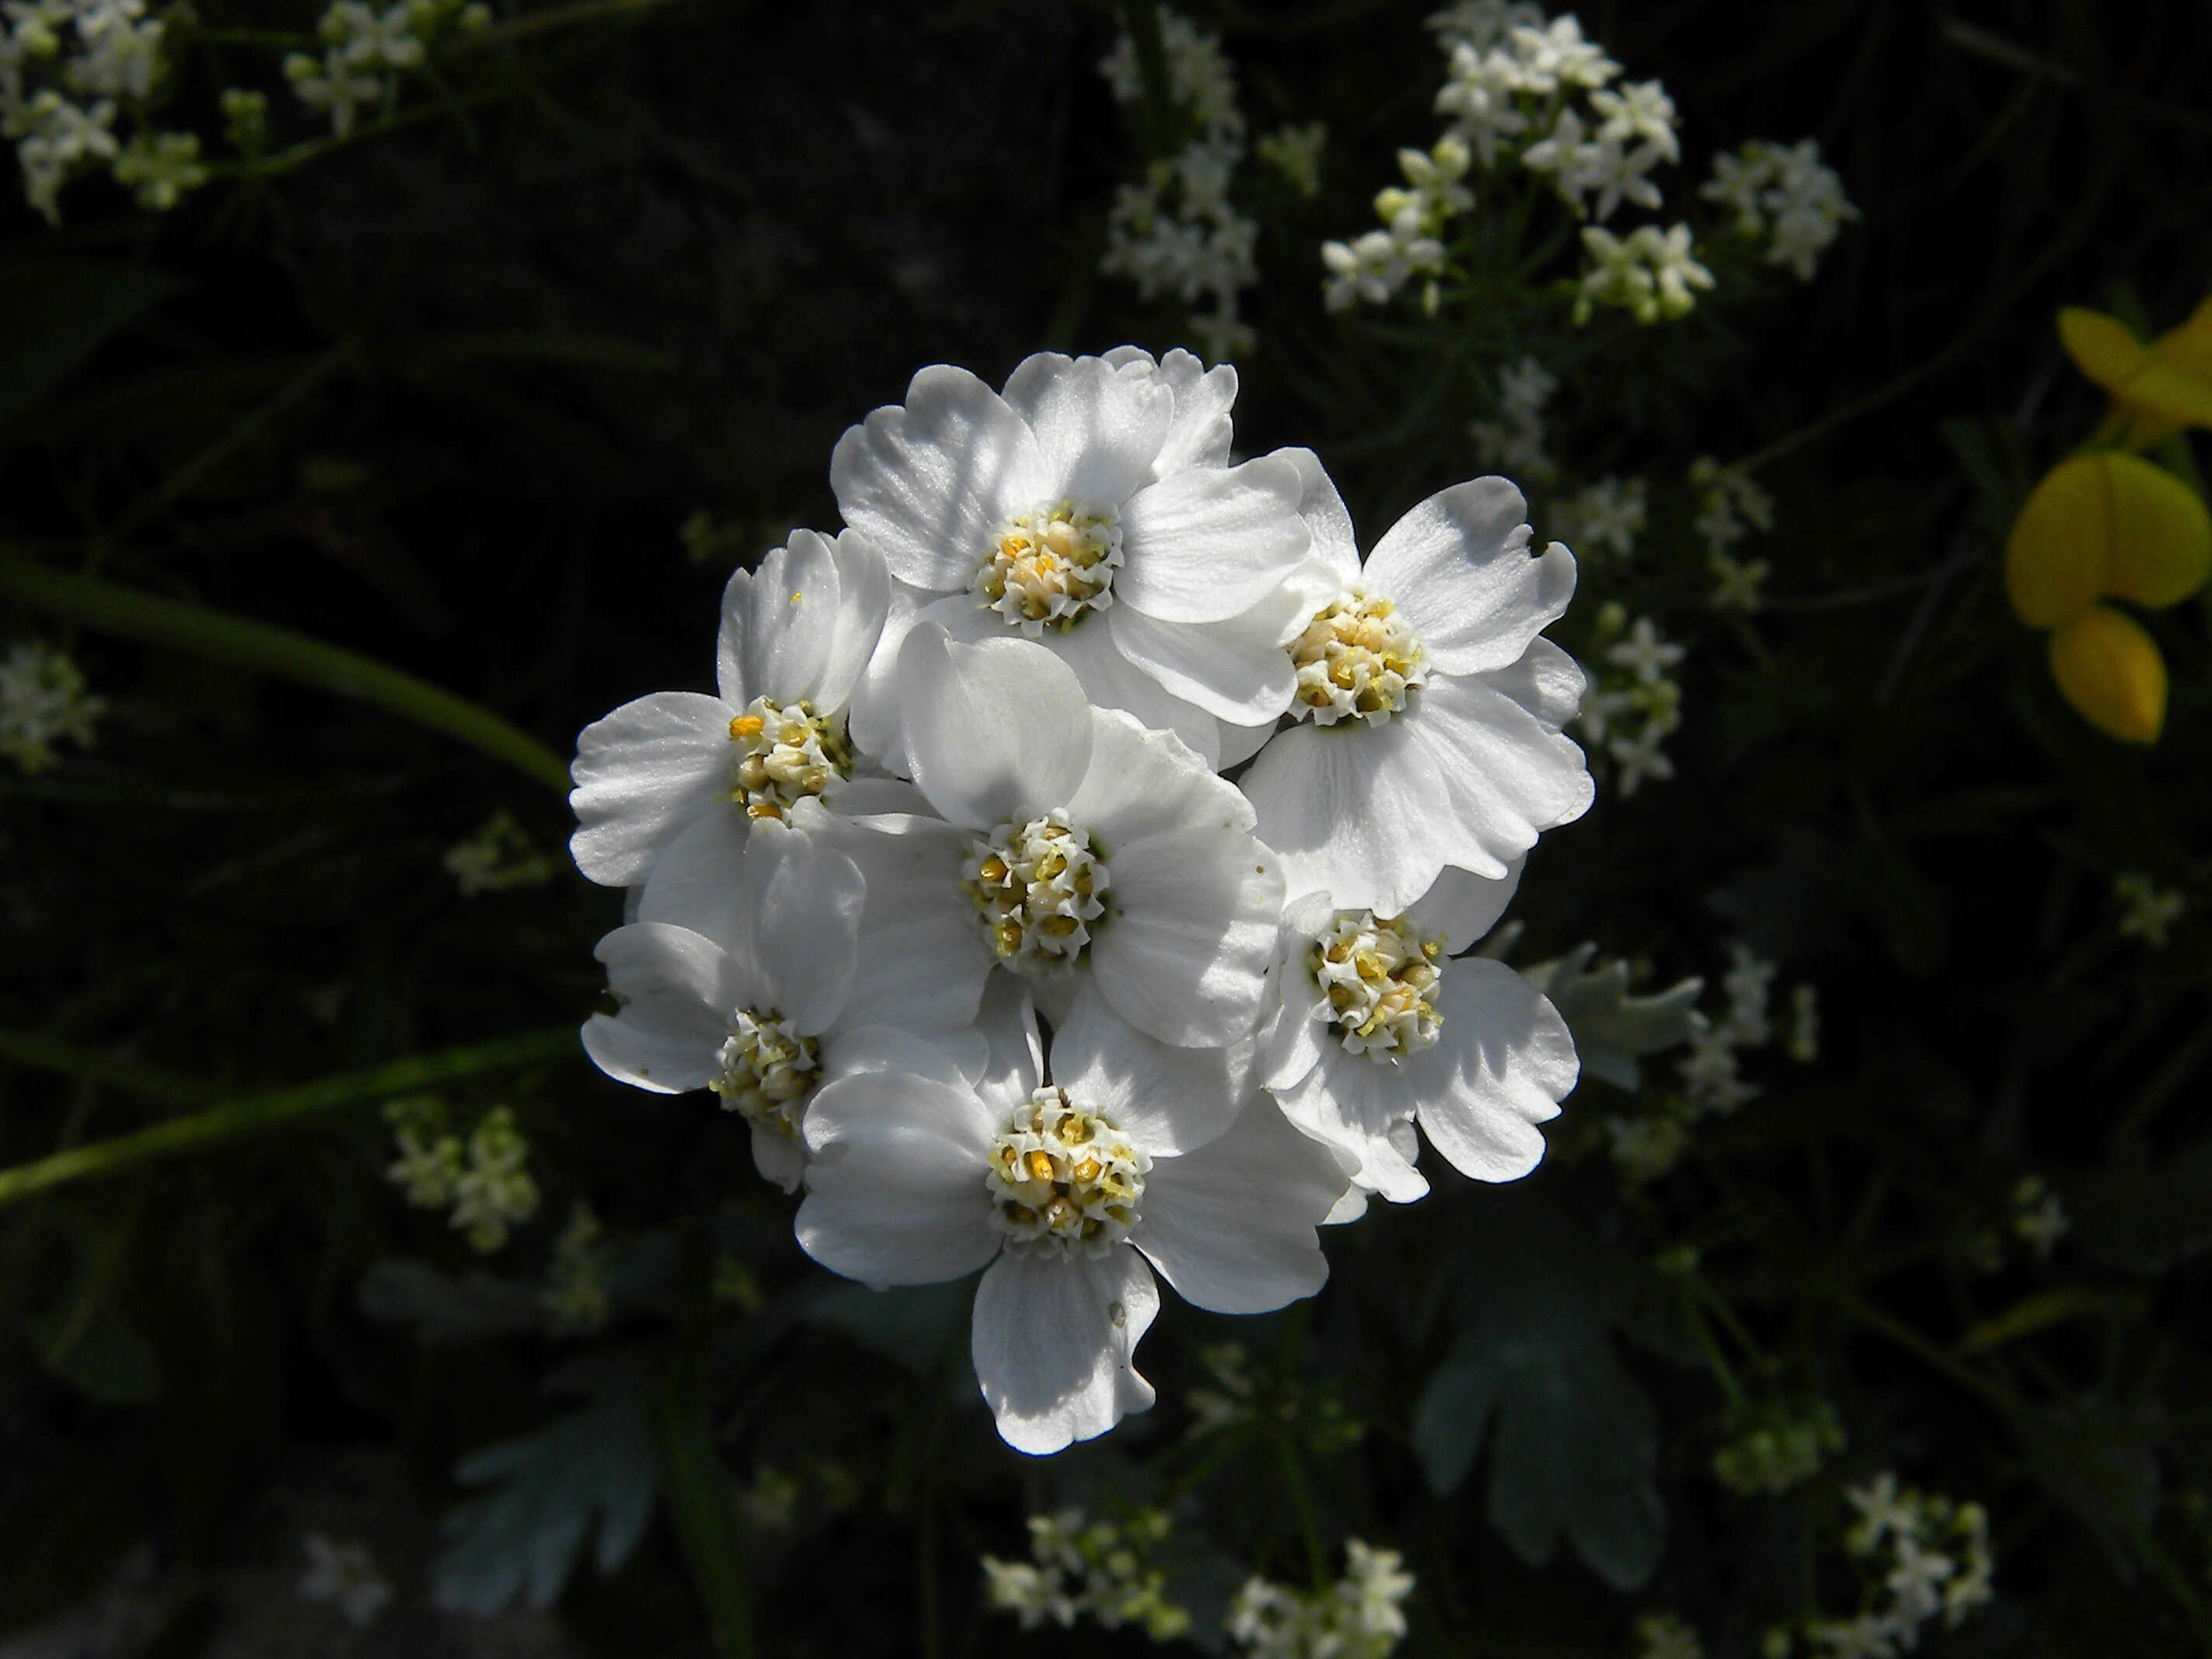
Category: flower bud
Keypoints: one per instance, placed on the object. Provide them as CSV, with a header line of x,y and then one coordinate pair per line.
x,y
2111,670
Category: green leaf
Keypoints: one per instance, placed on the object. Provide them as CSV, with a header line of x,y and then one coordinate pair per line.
x,y
59,312
441,1309
1576,1440
593,1466
1611,1027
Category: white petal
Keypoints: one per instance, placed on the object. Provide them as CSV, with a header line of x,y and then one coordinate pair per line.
x,y
1357,814
1231,1225
1142,783
1502,1065
804,900
995,731
1546,682
1326,520
1098,425
1506,774
779,622
922,957
895,1178
1457,565
1289,1044
1185,951
1111,680
643,774
1205,545
779,1156
953,1058
1237,671
698,882
1015,1068
1167,1100
1200,434
678,996
930,483
1055,1344
1463,906
875,721
864,599
1348,1102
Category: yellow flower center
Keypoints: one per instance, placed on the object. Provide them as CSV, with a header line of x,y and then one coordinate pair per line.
x,y
1357,658
1064,1181
785,752
1379,975
1038,886
768,1071
1051,564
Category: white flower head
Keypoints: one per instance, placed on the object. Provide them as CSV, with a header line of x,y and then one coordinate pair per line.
x,y
345,1575
1090,509
1084,847
1376,1028
1133,1157
796,635
1450,752
761,992
43,699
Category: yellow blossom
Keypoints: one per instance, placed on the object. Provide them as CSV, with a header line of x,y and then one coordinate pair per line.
x,y
2111,670
2105,525
2156,388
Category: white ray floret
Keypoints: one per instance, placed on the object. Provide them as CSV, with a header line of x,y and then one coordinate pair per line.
x,y
1133,1158
795,637
1377,1028
764,996
1091,507
1428,718
1087,847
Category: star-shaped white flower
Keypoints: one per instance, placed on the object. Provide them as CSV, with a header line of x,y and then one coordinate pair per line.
x,y
795,635
1090,509
1134,1157
1431,711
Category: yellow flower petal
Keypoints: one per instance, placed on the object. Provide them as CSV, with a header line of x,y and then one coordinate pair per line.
x,y
2102,348
2111,670
2163,386
2101,526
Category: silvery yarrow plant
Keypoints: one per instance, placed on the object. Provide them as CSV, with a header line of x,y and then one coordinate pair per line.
x,y
1066,879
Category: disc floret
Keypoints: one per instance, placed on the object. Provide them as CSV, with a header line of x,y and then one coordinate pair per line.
x,y
768,1070
786,753
1063,1180
1380,975
1049,565
1038,886
1357,659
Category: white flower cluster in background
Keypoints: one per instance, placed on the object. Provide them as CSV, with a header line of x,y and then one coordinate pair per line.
x,y
68,68
961,786
2039,1216
1177,231
1730,506
1633,704
2147,911
43,701
1784,195
366,50
345,1575
577,1294
1663,1636
1360,1616
1776,1445
1514,440
483,1179
498,858
1528,95
1607,517
1925,1559
1081,1568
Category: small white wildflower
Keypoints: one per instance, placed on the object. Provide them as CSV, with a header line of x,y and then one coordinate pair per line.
x,y
346,1575
161,166
1556,55
2148,912
1480,100
498,858
1641,113
1645,1148
1637,757
575,1296
1605,517
2038,1217
1663,1636
1736,582
43,699
1295,152
334,85
1644,652
494,1192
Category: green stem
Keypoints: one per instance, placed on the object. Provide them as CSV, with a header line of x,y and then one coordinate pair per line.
x,y
46,1055
238,1118
553,17
264,649
699,1507
1294,1478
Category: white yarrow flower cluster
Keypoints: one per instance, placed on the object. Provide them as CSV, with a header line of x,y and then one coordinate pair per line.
x,y
1177,231
67,68
1785,194
964,769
